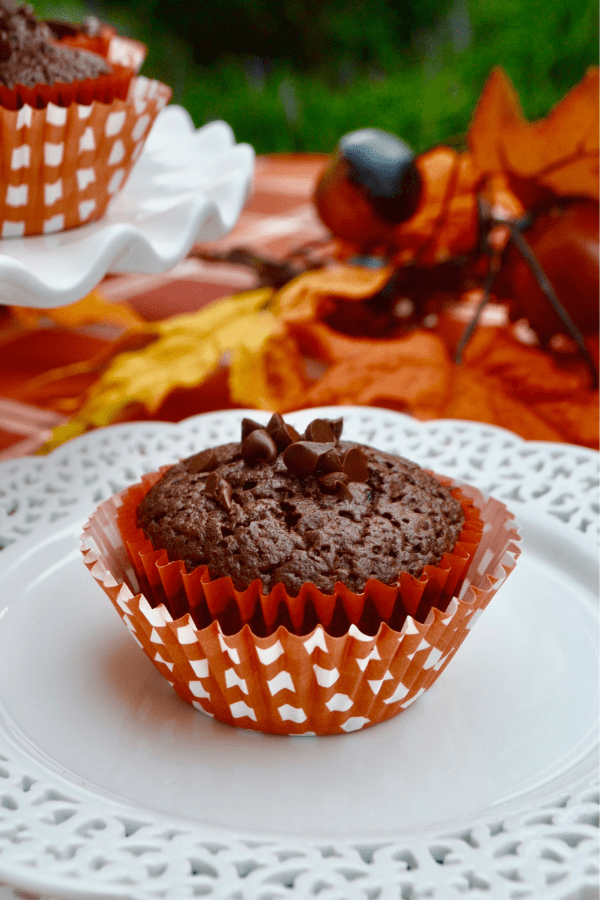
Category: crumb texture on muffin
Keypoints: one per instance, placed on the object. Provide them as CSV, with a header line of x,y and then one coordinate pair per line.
x,y
249,513
29,57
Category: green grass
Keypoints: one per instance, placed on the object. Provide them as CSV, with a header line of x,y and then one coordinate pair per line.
x,y
427,94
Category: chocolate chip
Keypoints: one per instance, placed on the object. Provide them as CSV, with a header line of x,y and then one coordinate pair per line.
x,y
219,489
282,433
302,457
320,430
355,465
225,494
258,447
212,484
275,423
337,426
205,461
330,462
335,483
248,426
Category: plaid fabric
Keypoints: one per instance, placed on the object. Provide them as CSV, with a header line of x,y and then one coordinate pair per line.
x,y
278,219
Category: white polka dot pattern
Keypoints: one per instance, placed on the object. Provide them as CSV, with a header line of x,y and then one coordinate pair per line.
x,y
310,684
60,166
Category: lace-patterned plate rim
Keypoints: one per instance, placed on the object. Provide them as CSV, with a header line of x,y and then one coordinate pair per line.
x,y
486,857
555,479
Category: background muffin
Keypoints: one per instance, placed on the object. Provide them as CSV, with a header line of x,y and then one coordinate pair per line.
x,y
71,126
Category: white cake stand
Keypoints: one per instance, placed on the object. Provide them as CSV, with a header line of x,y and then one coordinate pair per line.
x,y
188,185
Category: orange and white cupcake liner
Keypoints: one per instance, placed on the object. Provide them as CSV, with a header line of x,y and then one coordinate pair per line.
x,y
61,165
302,683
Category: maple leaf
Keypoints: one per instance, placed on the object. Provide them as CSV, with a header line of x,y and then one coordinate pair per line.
x,y
185,351
556,155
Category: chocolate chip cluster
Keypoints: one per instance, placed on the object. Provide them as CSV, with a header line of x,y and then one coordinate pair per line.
x,y
315,453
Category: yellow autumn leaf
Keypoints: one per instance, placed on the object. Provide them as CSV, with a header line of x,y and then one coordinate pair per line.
x,y
269,375
185,352
91,309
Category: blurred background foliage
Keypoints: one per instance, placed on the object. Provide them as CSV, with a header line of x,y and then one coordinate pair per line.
x,y
295,75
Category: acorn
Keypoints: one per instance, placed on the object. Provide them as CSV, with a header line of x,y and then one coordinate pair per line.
x,y
370,185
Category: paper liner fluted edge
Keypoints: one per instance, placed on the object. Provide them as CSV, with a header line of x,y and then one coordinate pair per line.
x,y
309,684
165,580
61,165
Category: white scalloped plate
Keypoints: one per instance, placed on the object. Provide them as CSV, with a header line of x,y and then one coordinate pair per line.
x,y
110,786
188,185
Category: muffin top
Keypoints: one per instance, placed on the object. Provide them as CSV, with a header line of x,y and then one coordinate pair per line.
x,y
293,509
28,56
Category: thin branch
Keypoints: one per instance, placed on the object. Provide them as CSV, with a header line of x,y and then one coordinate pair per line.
x,y
468,332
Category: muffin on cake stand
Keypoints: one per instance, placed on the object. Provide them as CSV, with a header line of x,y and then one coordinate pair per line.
x,y
97,175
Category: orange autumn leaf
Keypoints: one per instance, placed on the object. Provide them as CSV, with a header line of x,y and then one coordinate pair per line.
x,y
557,154
480,398
515,164
62,387
321,342
445,223
505,384
575,418
300,298
527,372
410,373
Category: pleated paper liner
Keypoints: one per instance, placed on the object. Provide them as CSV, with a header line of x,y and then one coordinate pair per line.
x,y
61,165
103,88
207,599
313,683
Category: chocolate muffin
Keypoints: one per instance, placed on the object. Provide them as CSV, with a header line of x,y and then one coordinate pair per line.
x,y
291,509
28,55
